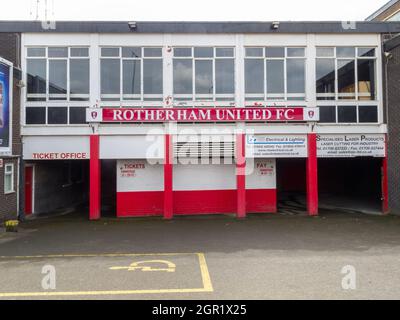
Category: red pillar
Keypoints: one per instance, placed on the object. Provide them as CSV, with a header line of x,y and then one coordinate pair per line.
x,y
385,190
312,176
241,175
95,178
168,192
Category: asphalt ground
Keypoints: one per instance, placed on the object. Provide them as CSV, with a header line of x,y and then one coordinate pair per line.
x,y
202,257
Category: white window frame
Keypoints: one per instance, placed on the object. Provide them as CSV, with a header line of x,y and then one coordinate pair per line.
x,y
47,96
336,102
9,172
195,98
118,98
285,97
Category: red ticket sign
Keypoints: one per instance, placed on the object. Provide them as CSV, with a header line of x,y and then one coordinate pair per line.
x,y
202,114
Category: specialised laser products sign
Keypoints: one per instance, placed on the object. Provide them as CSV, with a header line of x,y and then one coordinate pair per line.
x,y
351,145
219,114
5,108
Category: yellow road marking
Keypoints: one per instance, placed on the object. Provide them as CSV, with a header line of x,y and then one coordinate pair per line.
x,y
206,280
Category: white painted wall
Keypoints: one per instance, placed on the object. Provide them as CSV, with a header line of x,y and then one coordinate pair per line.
x,y
204,177
139,175
263,175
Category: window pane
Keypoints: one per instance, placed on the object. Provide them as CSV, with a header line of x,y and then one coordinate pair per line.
x,y
58,52
79,52
224,52
366,52
327,114
110,52
131,74
152,52
366,79
79,76
275,77
58,77
325,52
152,76
295,52
131,52
36,52
295,76
35,115
224,76
368,114
36,70
183,76
347,114
345,52
346,79
8,179
276,52
182,52
254,52
57,115
77,115
325,69
254,76
206,52
204,77
110,76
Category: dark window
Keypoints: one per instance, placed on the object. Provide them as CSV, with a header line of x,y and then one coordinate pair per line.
x,y
366,79
368,114
346,79
182,52
36,70
110,76
254,76
347,114
57,115
345,52
79,52
204,76
224,76
131,52
327,114
152,52
204,52
131,77
296,76
183,76
35,115
275,52
152,76
58,79
58,52
77,115
79,77
110,52
325,79
224,52
275,77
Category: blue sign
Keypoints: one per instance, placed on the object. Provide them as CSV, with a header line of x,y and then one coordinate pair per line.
x,y
4,107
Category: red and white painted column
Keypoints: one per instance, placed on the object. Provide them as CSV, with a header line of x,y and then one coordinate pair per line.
x,y
385,188
312,175
95,178
241,175
168,176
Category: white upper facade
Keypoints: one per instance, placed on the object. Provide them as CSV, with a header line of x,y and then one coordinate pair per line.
x,y
65,73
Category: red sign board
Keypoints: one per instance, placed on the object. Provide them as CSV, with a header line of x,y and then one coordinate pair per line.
x,y
201,114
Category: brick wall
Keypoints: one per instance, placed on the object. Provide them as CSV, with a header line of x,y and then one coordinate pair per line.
x,y
394,131
9,43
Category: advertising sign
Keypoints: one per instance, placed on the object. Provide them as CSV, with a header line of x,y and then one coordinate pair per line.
x,y
5,107
351,145
276,146
201,114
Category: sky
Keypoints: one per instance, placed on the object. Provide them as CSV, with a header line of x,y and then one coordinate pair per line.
x,y
193,10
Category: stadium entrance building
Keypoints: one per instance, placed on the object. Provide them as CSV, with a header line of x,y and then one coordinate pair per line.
x,y
167,119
